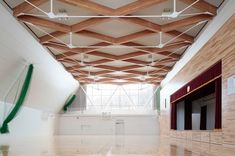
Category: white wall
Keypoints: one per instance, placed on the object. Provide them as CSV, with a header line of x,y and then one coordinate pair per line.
x,y
50,86
97,125
51,83
29,123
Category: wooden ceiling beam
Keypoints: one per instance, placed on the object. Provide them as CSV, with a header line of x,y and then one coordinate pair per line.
x,y
157,28
26,7
125,58
61,47
53,35
120,83
86,73
104,10
92,51
88,23
144,81
76,28
65,48
161,51
134,36
95,35
161,62
166,60
127,76
98,62
135,6
102,54
144,23
130,67
98,8
106,67
105,74
110,58
102,72
131,55
137,61
125,68
136,72
44,23
73,51
185,22
202,5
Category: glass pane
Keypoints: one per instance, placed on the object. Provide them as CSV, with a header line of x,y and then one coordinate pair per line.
x,y
106,97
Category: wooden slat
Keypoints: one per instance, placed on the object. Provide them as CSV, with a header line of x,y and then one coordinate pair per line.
x,y
95,35
136,61
185,22
102,72
134,36
136,72
156,28
59,47
88,23
202,5
69,53
92,51
26,7
45,23
185,37
55,34
135,6
147,24
98,8
161,51
126,68
131,55
86,73
102,61
166,60
107,67
79,27
102,54
161,62
162,67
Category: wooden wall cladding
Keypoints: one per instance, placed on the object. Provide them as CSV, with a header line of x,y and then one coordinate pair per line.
x,y
220,47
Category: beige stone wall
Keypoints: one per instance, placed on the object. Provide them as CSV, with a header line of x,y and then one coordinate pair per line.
x,y
220,47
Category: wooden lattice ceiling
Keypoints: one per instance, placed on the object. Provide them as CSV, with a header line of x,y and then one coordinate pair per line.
x,y
105,65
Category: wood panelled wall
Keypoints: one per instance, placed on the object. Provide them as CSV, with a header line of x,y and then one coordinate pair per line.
x,y
220,47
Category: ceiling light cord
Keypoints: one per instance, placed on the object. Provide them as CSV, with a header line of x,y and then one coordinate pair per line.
x,y
70,45
51,6
36,7
175,9
189,6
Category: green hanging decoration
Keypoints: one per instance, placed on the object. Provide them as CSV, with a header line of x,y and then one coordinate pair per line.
x,y
69,102
20,101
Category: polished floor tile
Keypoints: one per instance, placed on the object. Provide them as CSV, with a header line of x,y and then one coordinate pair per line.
x,y
111,146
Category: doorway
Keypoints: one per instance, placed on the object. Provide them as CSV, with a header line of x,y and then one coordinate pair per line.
x,y
203,118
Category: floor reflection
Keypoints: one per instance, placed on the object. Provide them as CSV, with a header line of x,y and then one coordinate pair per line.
x,y
4,150
111,146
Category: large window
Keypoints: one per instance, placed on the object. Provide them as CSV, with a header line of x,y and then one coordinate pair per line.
x,y
114,97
